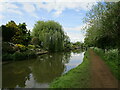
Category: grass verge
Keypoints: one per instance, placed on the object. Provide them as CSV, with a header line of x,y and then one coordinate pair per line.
x,y
78,77
111,58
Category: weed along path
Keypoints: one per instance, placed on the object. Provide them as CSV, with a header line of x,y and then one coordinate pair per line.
x,y
100,73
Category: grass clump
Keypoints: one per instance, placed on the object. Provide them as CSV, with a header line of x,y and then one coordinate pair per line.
x,y
111,58
78,77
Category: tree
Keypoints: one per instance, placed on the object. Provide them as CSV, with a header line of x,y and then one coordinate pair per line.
x,y
50,35
104,26
22,36
17,34
8,31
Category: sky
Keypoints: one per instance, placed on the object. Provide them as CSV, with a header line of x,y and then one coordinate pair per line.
x,y
69,13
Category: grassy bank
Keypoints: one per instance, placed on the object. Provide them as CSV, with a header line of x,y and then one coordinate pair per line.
x,y
111,58
76,78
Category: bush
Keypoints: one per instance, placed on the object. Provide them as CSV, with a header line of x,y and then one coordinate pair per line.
x,y
31,46
30,53
35,41
21,47
7,47
19,56
6,57
24,55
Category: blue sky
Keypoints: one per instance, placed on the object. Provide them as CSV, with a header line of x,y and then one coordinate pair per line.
x,y
69,14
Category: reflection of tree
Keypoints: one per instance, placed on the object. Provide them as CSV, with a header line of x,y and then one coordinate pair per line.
x,y
49,67
15,74
45,69
66,57
78,51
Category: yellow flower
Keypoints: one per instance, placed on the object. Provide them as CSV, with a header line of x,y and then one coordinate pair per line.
x,y
20,45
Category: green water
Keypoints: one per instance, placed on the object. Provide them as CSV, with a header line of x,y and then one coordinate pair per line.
x,y
39,72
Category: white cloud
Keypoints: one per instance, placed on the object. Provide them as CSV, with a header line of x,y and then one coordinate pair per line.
x,y
15,11
9,7
57,13
78,28
5,6
59,6
30,8
1,16
52,0
76,36
76,33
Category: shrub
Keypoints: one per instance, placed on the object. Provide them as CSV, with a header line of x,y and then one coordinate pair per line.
x,y
21,47
31,46
6,57
35,41
7,47
31,54
18,55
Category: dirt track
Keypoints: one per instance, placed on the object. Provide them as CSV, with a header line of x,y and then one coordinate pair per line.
x,y
100,73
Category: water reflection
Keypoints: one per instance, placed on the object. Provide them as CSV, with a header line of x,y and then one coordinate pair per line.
x,y
39,72
49,67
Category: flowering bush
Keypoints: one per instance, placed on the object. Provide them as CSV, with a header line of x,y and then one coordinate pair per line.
x,y
21,47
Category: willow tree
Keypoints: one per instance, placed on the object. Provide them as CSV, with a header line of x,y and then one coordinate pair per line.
x,y
50,34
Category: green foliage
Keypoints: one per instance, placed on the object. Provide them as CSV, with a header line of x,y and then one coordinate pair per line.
x,y
78,77
112,59
31,47
50,34
104,26
35,41
7,56
7,47
18,55
22,36
8,31
18,34
21,47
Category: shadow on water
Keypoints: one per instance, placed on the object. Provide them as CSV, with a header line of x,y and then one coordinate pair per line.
x,y
39,72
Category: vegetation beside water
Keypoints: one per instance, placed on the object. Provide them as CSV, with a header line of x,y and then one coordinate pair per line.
x,y
78,77
111,58
103,28
19,43
103,32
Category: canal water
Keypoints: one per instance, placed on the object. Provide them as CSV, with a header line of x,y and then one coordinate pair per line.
x,y
41,71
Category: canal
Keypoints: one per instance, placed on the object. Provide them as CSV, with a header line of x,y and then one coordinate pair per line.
x,y
41,71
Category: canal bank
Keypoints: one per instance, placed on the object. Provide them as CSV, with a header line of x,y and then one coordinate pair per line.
x,y
78,77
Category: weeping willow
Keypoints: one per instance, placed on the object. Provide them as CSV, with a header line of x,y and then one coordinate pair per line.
x,y
50,34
